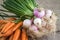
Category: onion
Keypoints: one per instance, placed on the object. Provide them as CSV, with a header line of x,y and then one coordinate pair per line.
x,y
48,13
37,22
27,23
41,14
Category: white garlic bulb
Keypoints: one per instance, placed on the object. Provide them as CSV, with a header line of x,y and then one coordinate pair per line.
x,y
37,22
27,23
41,14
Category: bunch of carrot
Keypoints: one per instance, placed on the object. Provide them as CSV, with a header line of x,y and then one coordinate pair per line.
x,y
10,30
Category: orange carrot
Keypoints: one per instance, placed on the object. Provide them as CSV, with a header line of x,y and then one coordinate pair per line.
x,y
8,27
11,37
1,21
1,27
17,26
23,34
3,38
6,21
8,33
5,26
11,19
16,34
19,37
26,37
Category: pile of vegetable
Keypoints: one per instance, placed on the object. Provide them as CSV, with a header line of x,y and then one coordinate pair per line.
x,y
10,30
33,20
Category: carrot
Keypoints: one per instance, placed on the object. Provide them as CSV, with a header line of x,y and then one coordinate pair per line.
x,y
23,35
19,37
26,37
11,19
6,21
17,26
1,21
3,38
16,34
1,27
8,33
11,37
6,25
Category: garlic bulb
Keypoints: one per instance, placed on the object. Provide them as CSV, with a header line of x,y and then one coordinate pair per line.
x,y
37,22
41,14
27,23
